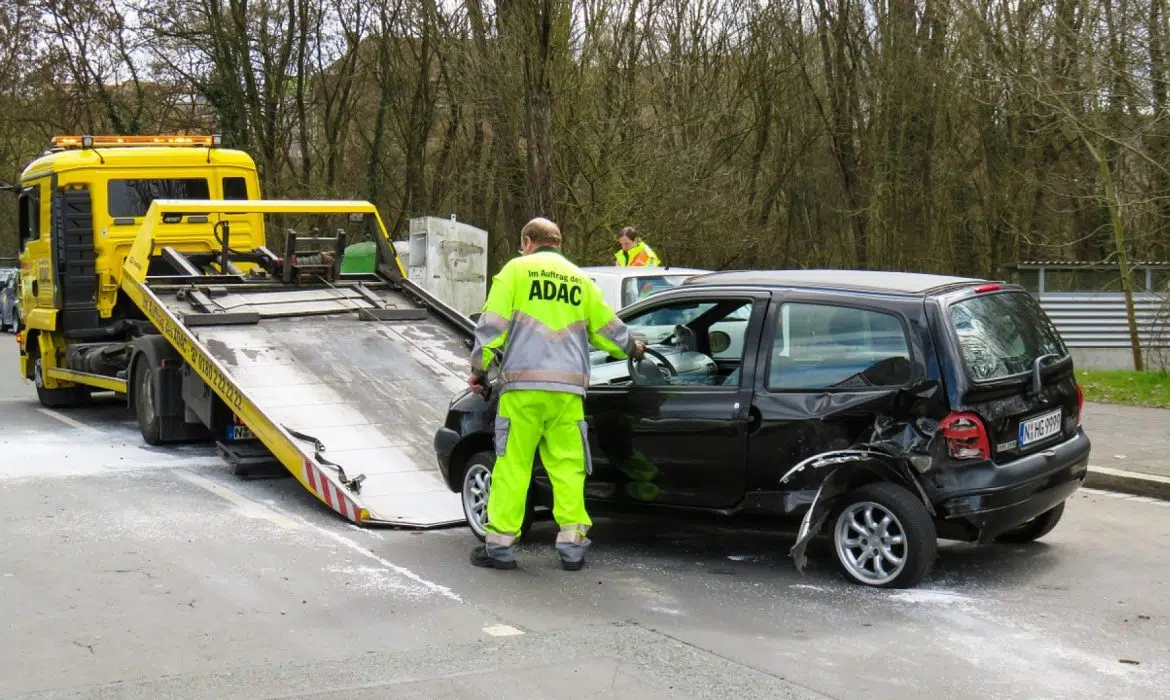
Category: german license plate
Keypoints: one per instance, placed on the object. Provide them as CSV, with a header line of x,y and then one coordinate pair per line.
x,y
240,432
1040,427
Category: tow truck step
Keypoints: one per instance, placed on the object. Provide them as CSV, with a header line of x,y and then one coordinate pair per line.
x,y
250,459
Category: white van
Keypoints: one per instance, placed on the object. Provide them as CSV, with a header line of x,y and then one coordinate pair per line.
x,y
623,286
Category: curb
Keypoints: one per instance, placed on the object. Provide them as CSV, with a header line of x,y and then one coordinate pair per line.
x,y
1133,483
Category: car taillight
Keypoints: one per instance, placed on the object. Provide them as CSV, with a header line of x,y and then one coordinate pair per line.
x,y
1080,403
966,436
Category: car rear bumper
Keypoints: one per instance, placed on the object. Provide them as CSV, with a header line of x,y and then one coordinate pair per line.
x,y
991,500
445,442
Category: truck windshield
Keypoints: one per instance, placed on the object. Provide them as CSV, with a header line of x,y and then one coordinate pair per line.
x,y
635,288
1002,334
133,197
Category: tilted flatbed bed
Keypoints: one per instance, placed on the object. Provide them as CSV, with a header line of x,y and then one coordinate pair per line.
x,y
339,378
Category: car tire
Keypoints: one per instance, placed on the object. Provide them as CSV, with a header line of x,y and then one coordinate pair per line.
x,y
884,537
476,485
57,398
1034,529
146,409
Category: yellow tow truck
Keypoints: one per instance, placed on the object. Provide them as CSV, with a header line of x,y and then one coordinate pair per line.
x,y
146,271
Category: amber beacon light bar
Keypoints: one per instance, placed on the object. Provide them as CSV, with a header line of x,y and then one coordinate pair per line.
x,y
94,141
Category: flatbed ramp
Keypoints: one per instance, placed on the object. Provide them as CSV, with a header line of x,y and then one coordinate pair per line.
x,y
357,377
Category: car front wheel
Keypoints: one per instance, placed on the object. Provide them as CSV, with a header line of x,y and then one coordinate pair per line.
x,y
884,537
477,484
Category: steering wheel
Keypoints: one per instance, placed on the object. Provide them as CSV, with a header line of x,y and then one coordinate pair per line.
x,y
663,368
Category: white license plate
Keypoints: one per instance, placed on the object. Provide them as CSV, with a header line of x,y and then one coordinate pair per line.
x,y
240,432
1040,427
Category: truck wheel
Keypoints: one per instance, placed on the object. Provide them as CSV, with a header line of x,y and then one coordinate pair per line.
x,y
146,403
57,398
1034,529
884,537
477,483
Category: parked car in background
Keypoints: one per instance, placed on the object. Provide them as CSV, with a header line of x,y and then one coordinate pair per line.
x,y
9,302
623,286
886,409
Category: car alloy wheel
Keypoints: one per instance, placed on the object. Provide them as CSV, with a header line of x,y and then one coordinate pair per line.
x,y
871,543
477,483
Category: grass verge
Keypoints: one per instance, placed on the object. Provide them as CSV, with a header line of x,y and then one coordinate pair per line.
x,y
1126,387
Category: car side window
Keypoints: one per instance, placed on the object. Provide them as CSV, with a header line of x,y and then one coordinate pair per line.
x,y
826,346
702,340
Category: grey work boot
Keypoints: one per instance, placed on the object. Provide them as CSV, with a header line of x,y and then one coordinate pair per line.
x,y
572,545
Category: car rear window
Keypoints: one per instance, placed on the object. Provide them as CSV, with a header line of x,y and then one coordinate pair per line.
x,y
1002,334
635,288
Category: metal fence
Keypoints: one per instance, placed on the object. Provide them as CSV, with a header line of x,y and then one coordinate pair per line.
x,y
1099,320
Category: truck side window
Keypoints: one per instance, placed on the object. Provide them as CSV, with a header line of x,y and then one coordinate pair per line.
x,y
235,188
30,215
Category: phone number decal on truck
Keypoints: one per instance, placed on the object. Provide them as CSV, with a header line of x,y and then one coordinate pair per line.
x,y
202,364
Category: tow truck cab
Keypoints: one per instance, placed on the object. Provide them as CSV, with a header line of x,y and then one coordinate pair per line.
x,y
80,206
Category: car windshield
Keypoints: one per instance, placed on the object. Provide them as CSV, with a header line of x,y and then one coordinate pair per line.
x,y
1001,335
636,288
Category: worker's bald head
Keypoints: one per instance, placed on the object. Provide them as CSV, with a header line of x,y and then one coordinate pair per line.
x,y
541,232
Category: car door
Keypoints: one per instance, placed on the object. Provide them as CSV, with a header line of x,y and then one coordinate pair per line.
x,y
829,364
681,441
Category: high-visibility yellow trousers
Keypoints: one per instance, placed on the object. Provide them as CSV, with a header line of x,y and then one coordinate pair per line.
x,y
552,422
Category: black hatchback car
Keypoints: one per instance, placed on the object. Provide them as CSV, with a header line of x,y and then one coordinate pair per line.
x,y
888,409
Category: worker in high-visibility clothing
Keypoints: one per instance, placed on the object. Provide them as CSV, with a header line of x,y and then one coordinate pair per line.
x,y
541,316
634,252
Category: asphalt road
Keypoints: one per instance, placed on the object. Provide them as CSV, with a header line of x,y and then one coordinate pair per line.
x,y
127,572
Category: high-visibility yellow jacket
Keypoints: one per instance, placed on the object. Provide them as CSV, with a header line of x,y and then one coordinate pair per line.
x,y
544,313
639,256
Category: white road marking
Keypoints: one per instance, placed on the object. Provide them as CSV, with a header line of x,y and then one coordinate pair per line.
x,y
248,507
71,422
254,509
502,631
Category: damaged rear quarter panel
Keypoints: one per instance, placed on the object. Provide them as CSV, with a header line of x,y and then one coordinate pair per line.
x,y
797,424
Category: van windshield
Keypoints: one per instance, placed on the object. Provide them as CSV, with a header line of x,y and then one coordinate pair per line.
x,y
1002,334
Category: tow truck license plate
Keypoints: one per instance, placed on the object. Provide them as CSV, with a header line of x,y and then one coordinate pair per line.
x,y
1040,427
240,432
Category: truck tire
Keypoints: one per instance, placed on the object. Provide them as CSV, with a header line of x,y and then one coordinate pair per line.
x,y
146,408
57,398
474,494
884,537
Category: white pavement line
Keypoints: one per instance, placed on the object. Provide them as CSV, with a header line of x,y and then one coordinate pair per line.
x,y
71,422
400,570
248,507
253,509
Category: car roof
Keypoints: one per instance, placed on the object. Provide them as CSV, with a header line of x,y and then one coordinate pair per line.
x,y
641,271
855,280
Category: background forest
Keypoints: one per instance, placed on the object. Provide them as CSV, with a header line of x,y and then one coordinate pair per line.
x,y
936,135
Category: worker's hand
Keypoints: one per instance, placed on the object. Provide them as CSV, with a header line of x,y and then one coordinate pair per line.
x,y
639,349
475,382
